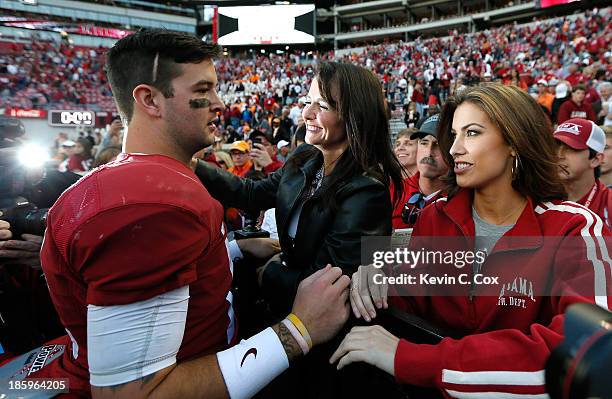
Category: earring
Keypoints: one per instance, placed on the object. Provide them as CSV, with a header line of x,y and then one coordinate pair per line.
x,y
516,166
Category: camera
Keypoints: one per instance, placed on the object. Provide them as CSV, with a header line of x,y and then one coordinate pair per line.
x,y
23,215
251,216
580,366
250,229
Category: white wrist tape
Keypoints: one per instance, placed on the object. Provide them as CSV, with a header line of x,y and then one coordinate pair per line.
x,y
252,364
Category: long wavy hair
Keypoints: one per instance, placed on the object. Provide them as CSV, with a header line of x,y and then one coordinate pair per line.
x,y
523,125
360,104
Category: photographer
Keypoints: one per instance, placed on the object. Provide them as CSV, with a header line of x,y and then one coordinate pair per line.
x,y
263,153
25,251
42,188
27,316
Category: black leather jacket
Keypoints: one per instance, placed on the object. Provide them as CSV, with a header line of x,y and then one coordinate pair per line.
x,y
324,235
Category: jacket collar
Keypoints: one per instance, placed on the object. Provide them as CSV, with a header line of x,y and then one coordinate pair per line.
x,y
527,229
292,188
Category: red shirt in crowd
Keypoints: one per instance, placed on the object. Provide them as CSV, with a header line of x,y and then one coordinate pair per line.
x,y
418,97
138,227
411,186
569,109
575,78
78,163
273,167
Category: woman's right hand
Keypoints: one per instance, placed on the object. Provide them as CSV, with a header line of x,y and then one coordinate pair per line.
x,y
368,292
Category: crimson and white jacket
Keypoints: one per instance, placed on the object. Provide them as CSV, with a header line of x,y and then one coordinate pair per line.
x,y
507,336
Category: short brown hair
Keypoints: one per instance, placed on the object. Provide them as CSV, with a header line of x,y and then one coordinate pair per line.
x,y
406,132
153,57
523,125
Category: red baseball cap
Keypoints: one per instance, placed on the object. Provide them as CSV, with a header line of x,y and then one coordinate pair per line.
x,y
581,134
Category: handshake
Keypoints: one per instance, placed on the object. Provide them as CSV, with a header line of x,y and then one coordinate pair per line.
x,y
24,251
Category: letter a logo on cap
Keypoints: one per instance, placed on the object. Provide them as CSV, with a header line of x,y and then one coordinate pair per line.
x,y
569,128
581,134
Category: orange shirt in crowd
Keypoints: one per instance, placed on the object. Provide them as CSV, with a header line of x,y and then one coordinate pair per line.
x,y
241,170
546,100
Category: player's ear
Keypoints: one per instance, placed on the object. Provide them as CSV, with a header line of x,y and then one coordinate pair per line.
x,y
148,100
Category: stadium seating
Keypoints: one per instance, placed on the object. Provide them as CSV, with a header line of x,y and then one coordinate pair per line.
x,y
43,74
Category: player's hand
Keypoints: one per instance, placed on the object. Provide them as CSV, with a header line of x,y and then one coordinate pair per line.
x,y
321,303
26,251
367,296
261,248
260,155
372,344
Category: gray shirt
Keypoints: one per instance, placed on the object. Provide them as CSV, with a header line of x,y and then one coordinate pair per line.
x,y
486,235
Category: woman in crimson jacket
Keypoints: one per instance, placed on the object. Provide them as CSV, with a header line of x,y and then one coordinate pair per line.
x,y
548,254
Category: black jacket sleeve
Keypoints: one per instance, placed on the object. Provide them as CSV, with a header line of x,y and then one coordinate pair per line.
x,y
365,211
233,191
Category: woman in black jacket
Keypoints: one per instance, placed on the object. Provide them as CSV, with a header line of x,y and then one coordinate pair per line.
x,y
332,190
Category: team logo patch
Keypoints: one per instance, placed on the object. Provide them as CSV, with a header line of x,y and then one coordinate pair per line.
x,y
571,128
25,365
43,355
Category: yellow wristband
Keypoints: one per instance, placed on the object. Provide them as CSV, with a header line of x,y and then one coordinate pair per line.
x,y
301,328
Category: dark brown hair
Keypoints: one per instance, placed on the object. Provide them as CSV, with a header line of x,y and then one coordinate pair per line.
x,y
523,125
357,96
152,57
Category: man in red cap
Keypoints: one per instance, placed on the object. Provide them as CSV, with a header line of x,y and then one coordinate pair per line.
x,y
581,155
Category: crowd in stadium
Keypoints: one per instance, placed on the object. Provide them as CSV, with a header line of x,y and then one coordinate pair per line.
x,y
559,51
217,146
550,60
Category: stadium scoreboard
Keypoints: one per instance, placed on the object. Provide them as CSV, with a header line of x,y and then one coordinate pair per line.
x,y
265,25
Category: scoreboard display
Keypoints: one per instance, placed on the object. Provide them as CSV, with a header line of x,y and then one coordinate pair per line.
x,y
71,118
265,25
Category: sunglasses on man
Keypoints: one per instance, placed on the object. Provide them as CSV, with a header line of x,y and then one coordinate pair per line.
x,y
412,208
